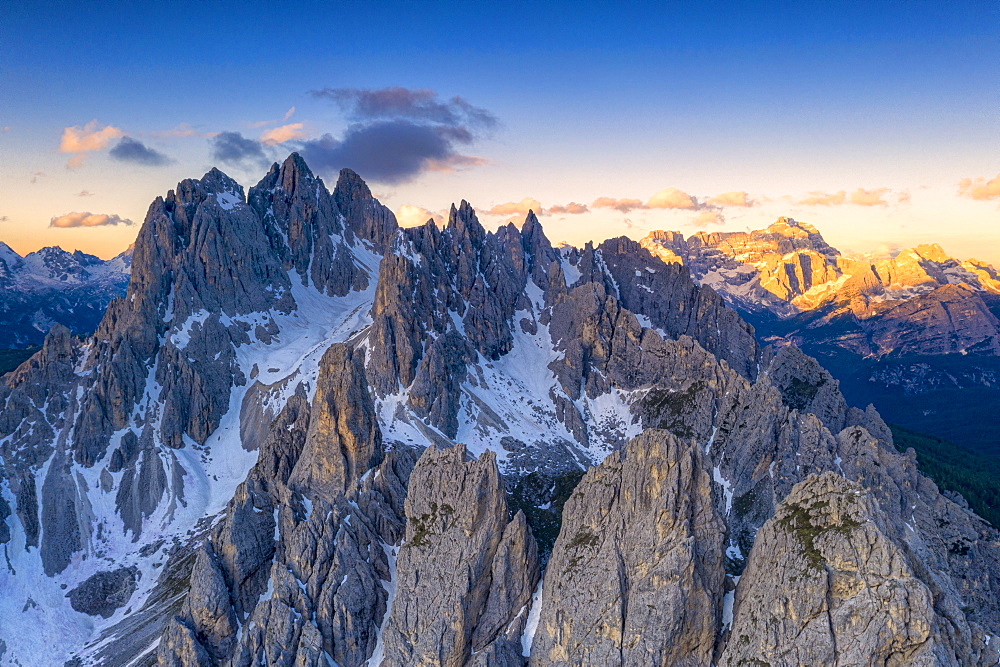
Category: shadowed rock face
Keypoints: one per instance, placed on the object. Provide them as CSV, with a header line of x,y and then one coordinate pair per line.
x,y
340,464
343,441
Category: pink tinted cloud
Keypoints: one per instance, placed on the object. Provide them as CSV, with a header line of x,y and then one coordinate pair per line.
x,y
409,215
86,219
87,138
875,197
979,188
621,205
279,135
571,208
517,207
708,217
735,198
672,198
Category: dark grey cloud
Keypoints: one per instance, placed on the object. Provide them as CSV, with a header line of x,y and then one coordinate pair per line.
x,y
397,133
235,149
415,104
132,150
387,152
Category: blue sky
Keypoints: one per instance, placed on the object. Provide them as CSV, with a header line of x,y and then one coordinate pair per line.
x,y
590,101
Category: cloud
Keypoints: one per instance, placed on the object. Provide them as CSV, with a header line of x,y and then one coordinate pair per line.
x,y
75,162
824,199
84,193
409,215
233,148
860,197
5,128
136,152
735,198
708,217
875,197
979,188
288,114
621,205
903,197
36,175
415,104
517,207
183,130
88,138
671,198
4,218
397,133
78,219
389,152
280,135
571,208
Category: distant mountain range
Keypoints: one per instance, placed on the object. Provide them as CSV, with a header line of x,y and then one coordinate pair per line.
x,y
52,286
917,334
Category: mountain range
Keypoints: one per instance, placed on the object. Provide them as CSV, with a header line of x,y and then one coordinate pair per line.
x,y
917,334
305,436
52,286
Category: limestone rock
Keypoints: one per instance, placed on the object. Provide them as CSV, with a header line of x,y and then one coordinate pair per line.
x,y
343,440
448,602
636,574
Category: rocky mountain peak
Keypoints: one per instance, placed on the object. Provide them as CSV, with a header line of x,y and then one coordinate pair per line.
x,y
309,437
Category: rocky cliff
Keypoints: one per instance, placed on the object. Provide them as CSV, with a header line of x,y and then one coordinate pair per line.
x,y
308,437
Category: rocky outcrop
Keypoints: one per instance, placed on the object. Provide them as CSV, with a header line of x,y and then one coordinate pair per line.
x,y
636,575
664,293
103,593
465,572
825,584
343,441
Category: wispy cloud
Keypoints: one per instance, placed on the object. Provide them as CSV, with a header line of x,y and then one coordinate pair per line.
x,y
571,208
74,162
620,205
409,215
980,189
517,207
738,198
875,197
136,152
86,219
5,128
36,175
860,197
84,193
235,149
183,130
397,133
4,218
280,135
708,217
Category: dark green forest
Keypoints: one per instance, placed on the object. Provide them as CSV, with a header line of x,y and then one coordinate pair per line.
x,y
971,473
